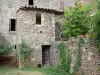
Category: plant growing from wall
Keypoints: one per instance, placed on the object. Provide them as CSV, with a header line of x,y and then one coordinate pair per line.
x,y
25,52
64,57
78,57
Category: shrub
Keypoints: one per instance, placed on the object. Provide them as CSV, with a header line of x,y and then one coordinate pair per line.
x,y
25,52
96,27
5,49
76,21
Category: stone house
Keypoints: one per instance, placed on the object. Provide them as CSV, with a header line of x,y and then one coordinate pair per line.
x,y
35,21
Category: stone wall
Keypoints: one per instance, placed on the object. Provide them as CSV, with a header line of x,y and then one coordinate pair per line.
x,y
90,57
90,60
8,10
54,4
37,35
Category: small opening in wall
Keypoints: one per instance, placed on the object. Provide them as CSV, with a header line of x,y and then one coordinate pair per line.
x,y
39,66
38,18
12,24
40,31
15,46
30,2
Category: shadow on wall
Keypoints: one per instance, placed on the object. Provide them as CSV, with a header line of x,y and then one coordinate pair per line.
x,y
3,39
5,58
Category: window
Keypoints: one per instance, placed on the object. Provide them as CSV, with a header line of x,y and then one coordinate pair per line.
x,y
13,25
38,18
30,2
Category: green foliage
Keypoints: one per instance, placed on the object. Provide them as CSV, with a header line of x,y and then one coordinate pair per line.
x,y
25,51
65,60
5,49
98,4
64,56
63,68
78,57
76,21
96,27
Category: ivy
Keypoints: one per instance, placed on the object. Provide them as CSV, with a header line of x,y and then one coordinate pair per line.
x,y
64,56
78,57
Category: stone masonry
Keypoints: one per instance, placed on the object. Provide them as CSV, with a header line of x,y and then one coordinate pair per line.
x,y
44,34
8,10
90,57
38,35
26,27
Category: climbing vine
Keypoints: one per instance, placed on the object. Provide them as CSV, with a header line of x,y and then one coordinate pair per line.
x,y
78,57
64,57
63,68
65,60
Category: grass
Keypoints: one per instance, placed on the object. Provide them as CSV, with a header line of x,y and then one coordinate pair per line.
x,y
24,71
44,70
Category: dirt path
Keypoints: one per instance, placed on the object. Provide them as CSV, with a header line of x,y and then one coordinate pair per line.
x,y
29,73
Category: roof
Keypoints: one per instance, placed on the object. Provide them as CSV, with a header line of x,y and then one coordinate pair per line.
x,y
41,9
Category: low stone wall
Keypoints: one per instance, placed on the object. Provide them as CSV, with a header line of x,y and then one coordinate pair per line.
x,y
90,61
8,61
90,57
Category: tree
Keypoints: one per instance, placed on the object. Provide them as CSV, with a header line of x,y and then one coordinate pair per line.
x,y
76,21
96,28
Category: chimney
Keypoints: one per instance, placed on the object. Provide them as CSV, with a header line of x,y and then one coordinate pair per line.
x,y
62,4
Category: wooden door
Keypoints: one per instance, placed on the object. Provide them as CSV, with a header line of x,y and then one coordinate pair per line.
x,y
46,55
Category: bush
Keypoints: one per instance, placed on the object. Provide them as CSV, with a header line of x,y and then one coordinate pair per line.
x,y
76,21
25,52
96,27
5,49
